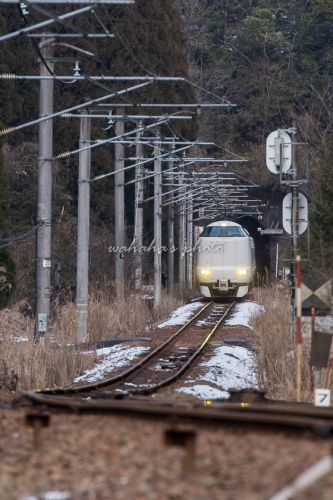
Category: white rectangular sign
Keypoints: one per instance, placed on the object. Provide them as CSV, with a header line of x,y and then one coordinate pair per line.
x,y
322,397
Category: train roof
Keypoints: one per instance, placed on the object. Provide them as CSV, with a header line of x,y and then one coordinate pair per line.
x,y
224,223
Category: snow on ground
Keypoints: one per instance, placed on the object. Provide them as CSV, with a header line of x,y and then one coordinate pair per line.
x,y
182,314
203,391
49,495
21,338
231,367
324,323
243,313
111,358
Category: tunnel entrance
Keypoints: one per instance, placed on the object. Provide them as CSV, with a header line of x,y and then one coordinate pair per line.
x,y
262,246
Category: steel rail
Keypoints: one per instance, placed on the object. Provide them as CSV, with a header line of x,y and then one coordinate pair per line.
x,y
185,366
129,371
209,414
290,408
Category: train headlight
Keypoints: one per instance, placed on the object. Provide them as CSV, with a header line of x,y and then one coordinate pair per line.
x,y
242,272
205,273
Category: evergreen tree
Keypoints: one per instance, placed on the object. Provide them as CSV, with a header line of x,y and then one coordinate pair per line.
x,y
148,41
275,61
7,267
321,215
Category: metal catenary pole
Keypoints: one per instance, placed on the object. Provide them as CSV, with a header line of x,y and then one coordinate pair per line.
x,y
138,217
82,273
44,211
157,226
119,215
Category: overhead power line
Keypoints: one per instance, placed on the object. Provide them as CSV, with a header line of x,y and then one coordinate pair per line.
x,y
72,108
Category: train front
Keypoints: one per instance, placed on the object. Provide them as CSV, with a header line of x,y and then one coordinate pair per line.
x,y
224,260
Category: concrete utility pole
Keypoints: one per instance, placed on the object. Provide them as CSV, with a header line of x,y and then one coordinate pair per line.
x,y
157,225
44,213
138,216
171,237
119,214
181,239
189,240
171,242
82,272
171,246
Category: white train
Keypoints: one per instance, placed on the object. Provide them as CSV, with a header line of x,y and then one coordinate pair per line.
x,y
224,260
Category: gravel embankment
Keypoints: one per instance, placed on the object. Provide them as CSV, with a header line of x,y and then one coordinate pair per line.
x,y
112,457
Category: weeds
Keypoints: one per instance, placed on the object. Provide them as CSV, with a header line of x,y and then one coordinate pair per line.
x,y
276,358
26,365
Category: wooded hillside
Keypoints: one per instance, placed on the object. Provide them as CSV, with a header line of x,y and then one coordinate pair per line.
x,y
274,59
148,40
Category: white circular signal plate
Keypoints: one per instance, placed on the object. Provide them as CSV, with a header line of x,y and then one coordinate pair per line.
x,y
278,152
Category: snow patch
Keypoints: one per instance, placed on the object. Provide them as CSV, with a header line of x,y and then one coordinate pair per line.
x,y
324,323
21,339
203,391
56,495
243,313
49,495
112,358
182,314
230,367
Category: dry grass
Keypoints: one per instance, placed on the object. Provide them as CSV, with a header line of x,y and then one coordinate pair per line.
x,y
25,365
276,359
131,316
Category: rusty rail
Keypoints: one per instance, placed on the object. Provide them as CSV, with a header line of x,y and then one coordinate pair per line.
x,y
218,415
155,387
123,375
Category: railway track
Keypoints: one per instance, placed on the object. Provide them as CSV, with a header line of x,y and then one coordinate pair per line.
x,y
124,393
288,415
162,366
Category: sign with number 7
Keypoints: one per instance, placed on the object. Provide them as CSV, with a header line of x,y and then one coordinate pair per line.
x,y
322,397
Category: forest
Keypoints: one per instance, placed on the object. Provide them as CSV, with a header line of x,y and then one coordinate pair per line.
x,y
272,58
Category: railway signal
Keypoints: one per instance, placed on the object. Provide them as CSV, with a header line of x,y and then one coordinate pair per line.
x,y
302,213
281,159
278,152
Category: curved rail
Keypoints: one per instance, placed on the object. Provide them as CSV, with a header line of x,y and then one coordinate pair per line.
x,y
211,414
121,376
183,368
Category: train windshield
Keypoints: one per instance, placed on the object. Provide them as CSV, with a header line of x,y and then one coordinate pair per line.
x,y
223,232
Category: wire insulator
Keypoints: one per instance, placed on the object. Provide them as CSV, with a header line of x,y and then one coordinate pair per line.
x,y
7,130
8,76
63,155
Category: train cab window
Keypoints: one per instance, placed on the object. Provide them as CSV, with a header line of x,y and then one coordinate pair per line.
x,y
222,232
